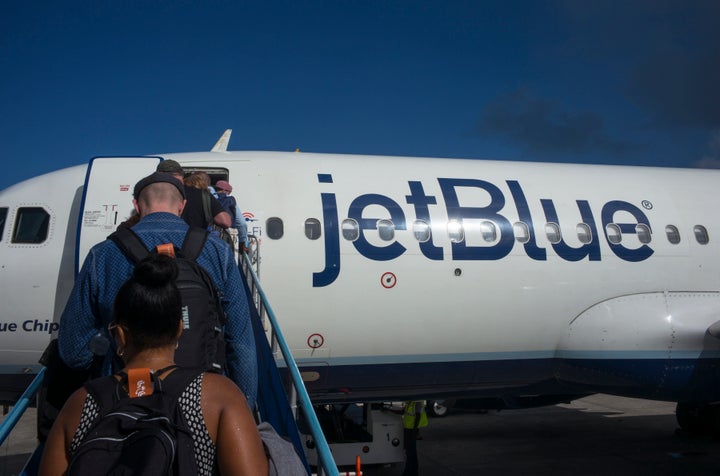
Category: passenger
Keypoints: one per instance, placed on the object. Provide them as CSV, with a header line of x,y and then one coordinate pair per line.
x,y
159,199
146,326
201,181
224,189
194,212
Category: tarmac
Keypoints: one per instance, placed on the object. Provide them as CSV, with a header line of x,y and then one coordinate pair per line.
x,y
596,435
19,445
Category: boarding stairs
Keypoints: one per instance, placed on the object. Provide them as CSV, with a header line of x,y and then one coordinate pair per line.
x,y
281,402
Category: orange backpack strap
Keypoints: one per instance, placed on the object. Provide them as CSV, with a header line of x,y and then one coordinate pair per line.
x,y
166,249
139,382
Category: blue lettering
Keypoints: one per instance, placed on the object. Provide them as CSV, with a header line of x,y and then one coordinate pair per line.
x,y
608,216
463,213
531,247
332,239
37,326
420,201
377,253
591,250
460,250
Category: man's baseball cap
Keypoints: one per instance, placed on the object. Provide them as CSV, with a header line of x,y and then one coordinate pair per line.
x,y
170,166
223,185
158,177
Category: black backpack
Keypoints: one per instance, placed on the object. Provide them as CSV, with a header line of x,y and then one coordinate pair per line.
x,y
141,436
211,225
202,342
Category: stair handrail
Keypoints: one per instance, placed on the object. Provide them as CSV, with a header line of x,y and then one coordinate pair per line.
x,y
20,406
325,456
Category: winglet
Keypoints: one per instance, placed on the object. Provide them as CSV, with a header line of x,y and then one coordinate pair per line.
x,y
222,144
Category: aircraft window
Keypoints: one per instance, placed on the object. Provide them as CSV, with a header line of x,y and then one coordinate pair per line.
x,y
521,231
701,234
421,230
489,231
643,233
350,229
673,234
386,229
313,230
455,231
584,233
3,217
31,225
275,228
614,234
552,231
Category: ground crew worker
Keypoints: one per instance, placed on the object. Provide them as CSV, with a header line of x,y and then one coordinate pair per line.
x,y
414,418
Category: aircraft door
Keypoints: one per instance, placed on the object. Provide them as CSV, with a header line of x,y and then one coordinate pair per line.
x,y
107,198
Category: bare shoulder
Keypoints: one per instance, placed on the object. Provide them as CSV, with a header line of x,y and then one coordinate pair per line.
x,y
222,402
73,406
217,386
69,417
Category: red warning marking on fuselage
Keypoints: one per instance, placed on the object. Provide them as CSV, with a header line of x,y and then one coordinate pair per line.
x,y
315,341
388,280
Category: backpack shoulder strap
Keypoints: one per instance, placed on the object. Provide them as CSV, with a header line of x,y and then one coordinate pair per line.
x,y
193,244
177,381
129,243
105,391
207,208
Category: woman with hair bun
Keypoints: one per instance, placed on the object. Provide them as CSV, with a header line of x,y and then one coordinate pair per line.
x,y
147,322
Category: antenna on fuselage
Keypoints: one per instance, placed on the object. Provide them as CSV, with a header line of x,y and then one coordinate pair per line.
x,y
222,144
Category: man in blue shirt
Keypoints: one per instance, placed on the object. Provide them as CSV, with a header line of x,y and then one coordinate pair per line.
x,y
159,200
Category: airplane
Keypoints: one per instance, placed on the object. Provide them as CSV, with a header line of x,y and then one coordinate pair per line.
x,y
398,278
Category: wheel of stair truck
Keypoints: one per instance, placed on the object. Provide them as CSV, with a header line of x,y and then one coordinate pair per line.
x,y
439,408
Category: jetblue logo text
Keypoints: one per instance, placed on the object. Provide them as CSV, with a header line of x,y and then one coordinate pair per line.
x,y
624,215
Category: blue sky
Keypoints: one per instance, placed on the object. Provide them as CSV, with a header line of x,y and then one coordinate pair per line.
x,y
631,82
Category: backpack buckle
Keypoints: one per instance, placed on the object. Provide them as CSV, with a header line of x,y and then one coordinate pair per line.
x,y
166,249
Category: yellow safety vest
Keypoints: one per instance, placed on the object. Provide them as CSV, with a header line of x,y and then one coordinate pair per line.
x,y
409,415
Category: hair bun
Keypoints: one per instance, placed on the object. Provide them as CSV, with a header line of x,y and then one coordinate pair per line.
x,y
156,270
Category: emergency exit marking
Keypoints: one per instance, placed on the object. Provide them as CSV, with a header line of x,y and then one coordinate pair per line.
x,y
388,280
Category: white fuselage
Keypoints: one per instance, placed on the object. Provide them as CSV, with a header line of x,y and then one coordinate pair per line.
x,y
491,299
